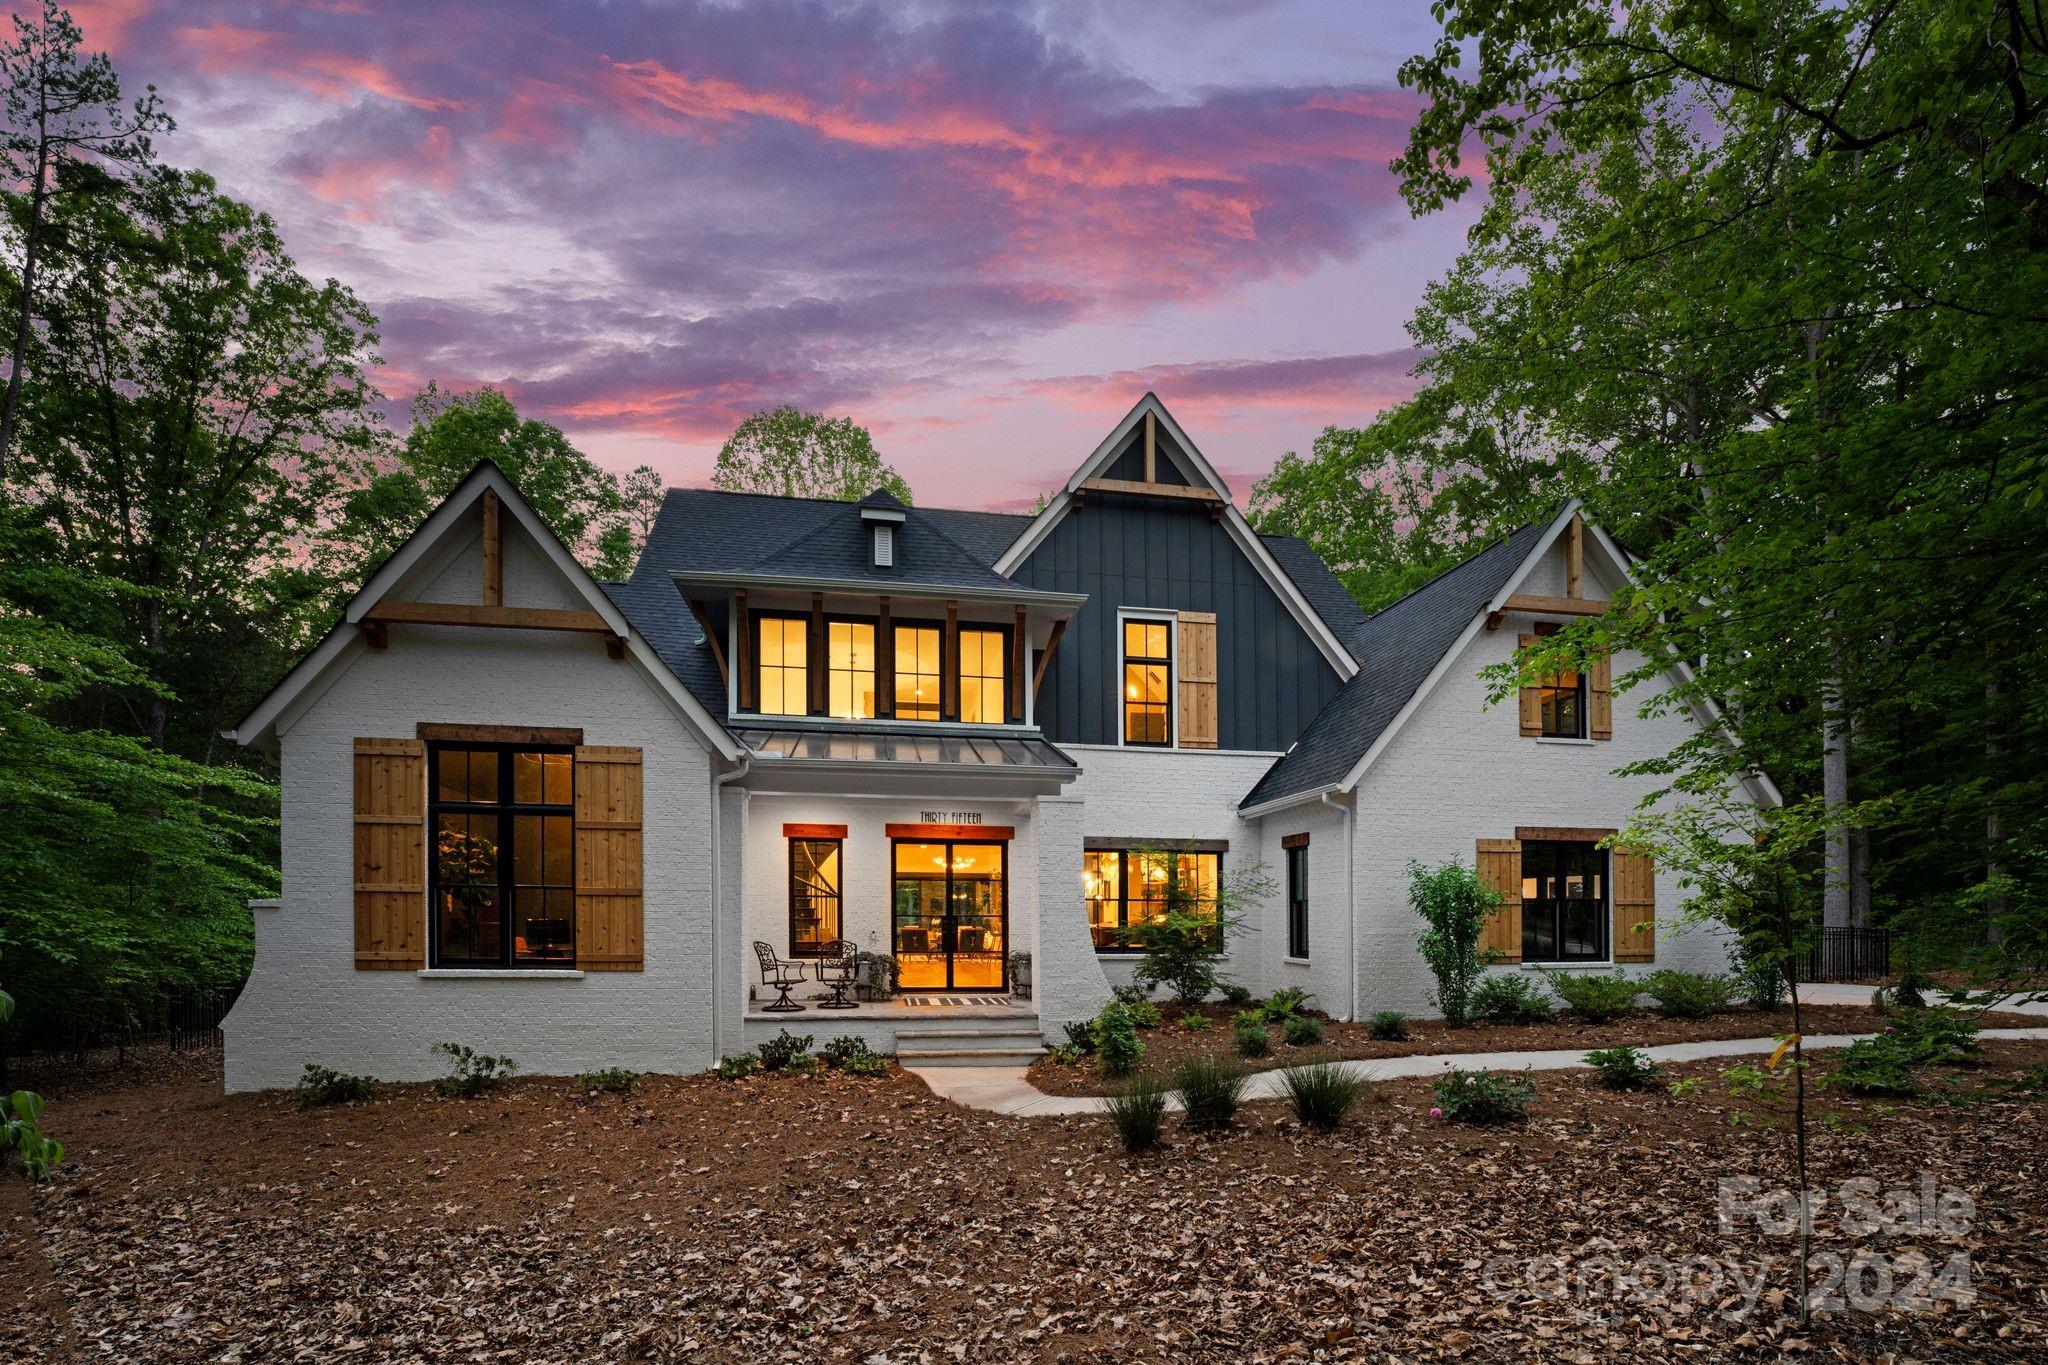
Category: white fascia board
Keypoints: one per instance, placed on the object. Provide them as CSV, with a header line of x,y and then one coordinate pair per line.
x,y
1280,803
1318,630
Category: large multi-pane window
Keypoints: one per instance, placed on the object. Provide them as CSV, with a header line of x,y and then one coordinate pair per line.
x,y
1562,700
982,668
1564,902
785,672
814,895
1148,670
850,669
1297,901
504,867
917,672
1125,888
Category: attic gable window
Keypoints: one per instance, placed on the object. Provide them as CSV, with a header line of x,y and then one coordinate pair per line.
x,y
882,514
885,545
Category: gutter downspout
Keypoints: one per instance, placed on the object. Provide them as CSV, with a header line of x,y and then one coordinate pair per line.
x,y
1350,895
718,896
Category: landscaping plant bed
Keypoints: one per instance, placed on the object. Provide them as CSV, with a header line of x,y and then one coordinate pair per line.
x,y
836,1218
1170,1043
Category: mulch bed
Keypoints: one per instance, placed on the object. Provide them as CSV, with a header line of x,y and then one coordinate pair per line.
x,y
842,1219
1169,1043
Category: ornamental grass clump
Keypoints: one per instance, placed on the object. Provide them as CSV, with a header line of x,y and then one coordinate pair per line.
x,y
1209,1090
1302,1030
1595,997
1137,1111
1389,1026
1322,1093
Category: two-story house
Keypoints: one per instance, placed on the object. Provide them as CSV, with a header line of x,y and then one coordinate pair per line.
x,y
630,824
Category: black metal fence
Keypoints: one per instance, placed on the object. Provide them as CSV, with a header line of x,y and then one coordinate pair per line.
x,y
1850,955
184,1021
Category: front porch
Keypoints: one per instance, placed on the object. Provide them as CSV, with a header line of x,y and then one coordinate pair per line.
x,y
938,1029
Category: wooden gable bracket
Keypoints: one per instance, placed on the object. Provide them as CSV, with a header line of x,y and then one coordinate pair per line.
x,y
1052,642
1139,488
1536,605
710,638
494,558
491,618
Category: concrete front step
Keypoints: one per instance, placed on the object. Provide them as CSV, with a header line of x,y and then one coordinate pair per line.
x,y
979,1036
921,1055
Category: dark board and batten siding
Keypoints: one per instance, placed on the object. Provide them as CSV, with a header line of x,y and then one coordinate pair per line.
x,y
1138,552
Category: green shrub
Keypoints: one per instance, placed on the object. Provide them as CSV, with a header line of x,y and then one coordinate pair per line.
x,y
1623,1068
1195,1023
1137,1111
1081,1035
1302,1030
615,1080
1324,1092
1209,1089
475,1072
1595,996
1285,1004
1453,905
1248,1030
784,1048
1117,1048
854,1057
1884,1065
1688,995
1483,1097
738,1067
1185,939
1939,1037
1510,998
1234,995
1144,1012
21,1133
804,1064
319,1085
1066,1054
1390,1026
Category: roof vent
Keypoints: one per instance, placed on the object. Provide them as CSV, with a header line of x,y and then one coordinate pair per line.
x,y
885,545
883,514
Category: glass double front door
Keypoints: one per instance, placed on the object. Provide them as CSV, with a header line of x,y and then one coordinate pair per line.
x,y
951,920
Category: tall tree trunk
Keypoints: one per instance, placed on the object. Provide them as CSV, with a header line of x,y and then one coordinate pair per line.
x,y
1996,904
38,193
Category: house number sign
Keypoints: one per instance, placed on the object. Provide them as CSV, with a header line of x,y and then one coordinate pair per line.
x,y
949,817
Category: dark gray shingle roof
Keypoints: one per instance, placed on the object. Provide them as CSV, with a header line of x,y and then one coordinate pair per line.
x,y
1396,649
1330,598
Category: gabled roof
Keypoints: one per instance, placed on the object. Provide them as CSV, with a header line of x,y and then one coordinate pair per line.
x,y
418,560
1397,650
1324,591
1201,474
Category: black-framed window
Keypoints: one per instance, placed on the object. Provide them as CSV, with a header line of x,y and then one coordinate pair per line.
x,y
1125,888
1297,901
849,668
984,674
1564,902
504,869
1147,681
782,650
815,884
919,669
1561,700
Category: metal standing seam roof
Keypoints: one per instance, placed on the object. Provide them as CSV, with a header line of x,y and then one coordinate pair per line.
x,y
898,746
1396,648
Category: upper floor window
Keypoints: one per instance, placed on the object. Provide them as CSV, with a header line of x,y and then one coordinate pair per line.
x,y
850,669
504,859
982,692
1148,670
1561,699
917,672
785,679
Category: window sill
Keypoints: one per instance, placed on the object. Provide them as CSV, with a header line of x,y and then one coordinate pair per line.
x,y
1295,961
1607,966
501,974
1563,739
1132,953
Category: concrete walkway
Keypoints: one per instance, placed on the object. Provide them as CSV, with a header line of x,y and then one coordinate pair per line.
x,y
1005,1089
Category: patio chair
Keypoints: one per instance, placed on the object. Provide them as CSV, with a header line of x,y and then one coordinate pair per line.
x,y
783,976
837,967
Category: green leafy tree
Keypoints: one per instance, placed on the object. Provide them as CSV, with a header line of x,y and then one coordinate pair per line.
x,y
1453,905
603,518
1185,943
65,133
796,454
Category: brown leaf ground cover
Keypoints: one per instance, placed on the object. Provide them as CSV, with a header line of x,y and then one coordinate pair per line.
x,y
842,1219
1169,1043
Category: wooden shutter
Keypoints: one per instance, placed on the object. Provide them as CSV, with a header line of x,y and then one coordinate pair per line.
x,y
608,859
1197,667
391,854
1635,904
1532,704
1600,696
1500,866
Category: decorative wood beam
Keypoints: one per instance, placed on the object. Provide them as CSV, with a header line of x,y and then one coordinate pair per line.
x,y
1140,489
1052,642
1574,556
816,656
710,638
961,833
1020,652
494,618
375,635
814,831
494,558
949,665
1535,605
885,662
498,734
1151,449
744,634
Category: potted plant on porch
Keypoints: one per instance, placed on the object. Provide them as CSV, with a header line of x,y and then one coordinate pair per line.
x,y
875,976
1020,974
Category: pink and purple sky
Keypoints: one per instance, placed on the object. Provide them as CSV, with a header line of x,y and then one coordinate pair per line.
x,y
982,230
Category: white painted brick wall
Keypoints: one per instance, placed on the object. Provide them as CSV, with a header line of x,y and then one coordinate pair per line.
x,y
1325,973
1459,772
305,1002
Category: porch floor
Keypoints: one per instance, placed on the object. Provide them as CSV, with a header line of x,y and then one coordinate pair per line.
x,y
934,1007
